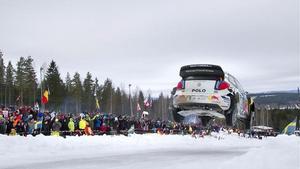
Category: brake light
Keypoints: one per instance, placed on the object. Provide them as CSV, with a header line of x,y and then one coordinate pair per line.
x,y
180,85
223,85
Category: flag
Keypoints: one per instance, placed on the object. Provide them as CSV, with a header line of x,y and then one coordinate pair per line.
x,y
95,94
138,107
147,103
97,103
45,97
53,114
18,98
36,106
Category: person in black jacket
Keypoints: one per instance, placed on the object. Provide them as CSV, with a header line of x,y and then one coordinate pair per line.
x,y
46,127
64,125
21,129
9,125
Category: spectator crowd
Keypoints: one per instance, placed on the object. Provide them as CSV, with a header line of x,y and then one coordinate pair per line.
x,y
27,121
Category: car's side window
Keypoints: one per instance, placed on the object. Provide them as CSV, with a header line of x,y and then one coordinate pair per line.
x,y
239,86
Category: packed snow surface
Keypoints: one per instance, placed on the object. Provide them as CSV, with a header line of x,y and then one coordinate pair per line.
x,y
149,151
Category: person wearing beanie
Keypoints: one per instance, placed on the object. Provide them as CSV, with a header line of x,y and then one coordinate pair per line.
x,y
56,128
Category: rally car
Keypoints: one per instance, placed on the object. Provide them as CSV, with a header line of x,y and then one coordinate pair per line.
x,y
206,91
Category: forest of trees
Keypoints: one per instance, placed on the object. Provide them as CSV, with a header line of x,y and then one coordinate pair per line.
x,y
19,86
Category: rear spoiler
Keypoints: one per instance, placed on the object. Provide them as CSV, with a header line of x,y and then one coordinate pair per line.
x,y
204,70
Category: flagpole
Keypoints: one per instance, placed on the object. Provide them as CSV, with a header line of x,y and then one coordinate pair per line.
x,y
41,76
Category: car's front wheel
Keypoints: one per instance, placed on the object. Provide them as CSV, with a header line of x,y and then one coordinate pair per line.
x,y
205,120
231,114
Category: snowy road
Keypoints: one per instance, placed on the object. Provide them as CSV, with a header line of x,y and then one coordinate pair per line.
x,y
152,159
149,151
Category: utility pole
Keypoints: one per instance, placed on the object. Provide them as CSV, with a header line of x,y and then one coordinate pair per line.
x,y
298,115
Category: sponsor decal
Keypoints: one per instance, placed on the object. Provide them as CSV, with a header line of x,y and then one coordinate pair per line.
x,y
200,70
213,98
199,90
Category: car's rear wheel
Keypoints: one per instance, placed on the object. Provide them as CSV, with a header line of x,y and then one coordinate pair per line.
x,y
177,117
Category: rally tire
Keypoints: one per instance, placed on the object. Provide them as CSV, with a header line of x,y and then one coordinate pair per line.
x,y
177,117
231,114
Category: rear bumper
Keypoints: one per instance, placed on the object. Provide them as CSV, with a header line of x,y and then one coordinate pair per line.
x,y
212,102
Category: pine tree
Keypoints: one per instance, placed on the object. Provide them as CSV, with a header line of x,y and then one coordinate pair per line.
x,y
30,88
20,79
88,93
125,103
9,82
141,100
118,102
68,84
55,85
107,94
68,94
2,82
77,91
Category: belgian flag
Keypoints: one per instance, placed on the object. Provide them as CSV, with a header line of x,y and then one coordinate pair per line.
x,y
45,97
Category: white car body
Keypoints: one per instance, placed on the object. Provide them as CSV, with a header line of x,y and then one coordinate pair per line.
x,y
203,98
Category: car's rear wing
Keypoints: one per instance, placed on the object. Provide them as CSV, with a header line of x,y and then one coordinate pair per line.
x,y
201,71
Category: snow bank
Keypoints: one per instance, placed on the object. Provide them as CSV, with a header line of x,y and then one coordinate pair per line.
x,y
280,152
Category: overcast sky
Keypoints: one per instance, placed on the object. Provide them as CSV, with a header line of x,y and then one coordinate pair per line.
x,y
146,42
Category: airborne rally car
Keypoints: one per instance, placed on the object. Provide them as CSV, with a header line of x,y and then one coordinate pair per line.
x,y
206,91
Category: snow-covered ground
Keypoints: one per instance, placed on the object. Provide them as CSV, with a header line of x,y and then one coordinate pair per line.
x,y
149,151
